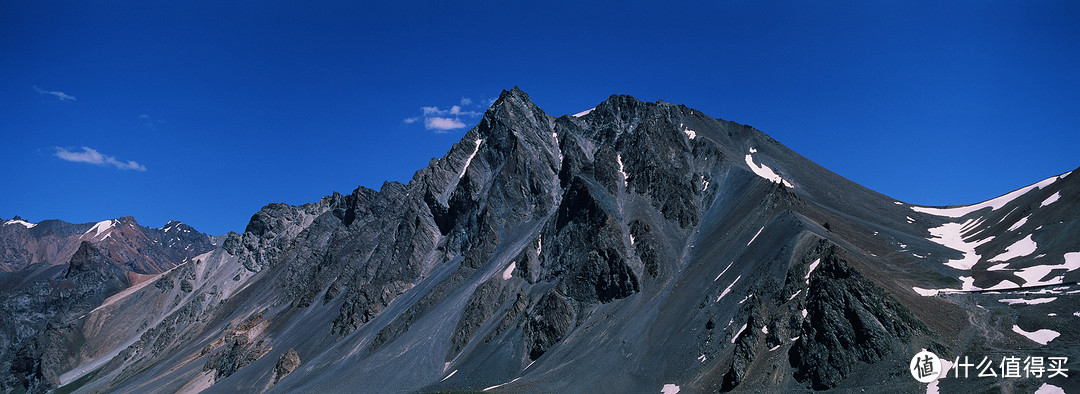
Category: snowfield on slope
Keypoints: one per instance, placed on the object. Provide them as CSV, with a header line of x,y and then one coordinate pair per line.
x,y
764,171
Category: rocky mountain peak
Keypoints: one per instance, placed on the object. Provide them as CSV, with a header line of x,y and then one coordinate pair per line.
x,y
538,247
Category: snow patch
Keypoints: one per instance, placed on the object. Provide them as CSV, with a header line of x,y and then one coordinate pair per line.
x,y
471,156
794,295
994,204
910,220
1003,285
764,171
932,388
690,133
951,235
500,385
946,366
722,272
1048,388
810,270
669,389
764,329
22,222
1051,199
741,329
755,236
1033,276
509,271
1041,337
1019,223
583,113
101,227
1020,248
804,313
702,358
448,376
926,292
728,289
1033,301
897,203
618,159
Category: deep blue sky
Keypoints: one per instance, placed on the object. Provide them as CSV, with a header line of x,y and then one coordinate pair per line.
x,y
223,109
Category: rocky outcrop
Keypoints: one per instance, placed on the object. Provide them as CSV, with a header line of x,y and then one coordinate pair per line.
x,y
586,253
850,321
548,321
286,363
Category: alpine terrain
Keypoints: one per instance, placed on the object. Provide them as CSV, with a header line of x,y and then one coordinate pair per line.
x,y
633,247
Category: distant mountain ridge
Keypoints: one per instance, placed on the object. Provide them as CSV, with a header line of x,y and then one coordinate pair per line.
x,y
632,247
140,249
53,272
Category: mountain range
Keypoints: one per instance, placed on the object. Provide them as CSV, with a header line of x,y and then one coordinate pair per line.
x,y
633,247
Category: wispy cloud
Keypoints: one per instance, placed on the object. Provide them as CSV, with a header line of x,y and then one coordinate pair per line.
x,y
444,119
59,95
150,121
91,156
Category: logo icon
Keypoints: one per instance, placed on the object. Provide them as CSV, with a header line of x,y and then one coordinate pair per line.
x,y
925,366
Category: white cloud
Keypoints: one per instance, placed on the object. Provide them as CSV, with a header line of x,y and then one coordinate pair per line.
x,y
91,156
442,124
441,120
59,95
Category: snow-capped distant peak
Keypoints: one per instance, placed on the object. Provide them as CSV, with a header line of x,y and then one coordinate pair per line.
x,y
101,227
583,113
172,225
22,222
